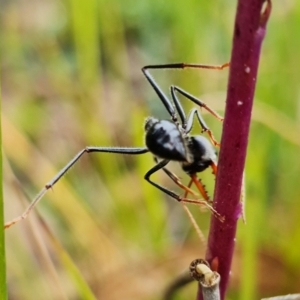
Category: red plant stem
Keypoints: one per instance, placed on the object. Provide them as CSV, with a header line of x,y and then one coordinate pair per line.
x,y
249,32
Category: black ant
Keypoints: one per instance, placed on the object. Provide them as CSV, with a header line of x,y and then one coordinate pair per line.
x,y
167,140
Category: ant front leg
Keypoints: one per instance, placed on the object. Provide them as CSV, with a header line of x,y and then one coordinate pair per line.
x,y
177,181
186,209
194,179
160,165
63,171
202,190
200,186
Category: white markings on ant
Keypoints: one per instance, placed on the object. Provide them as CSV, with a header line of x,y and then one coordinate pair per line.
x,y
247,69
239,103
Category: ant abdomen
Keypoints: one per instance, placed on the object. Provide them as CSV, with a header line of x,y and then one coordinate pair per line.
x,y
164,140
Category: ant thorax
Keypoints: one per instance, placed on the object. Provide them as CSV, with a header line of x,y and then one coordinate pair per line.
x,y
164,139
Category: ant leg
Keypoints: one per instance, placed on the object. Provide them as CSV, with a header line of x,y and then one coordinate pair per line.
x,y
63,171
186,209
189,125
214,167
187,65
161,165
194,179
163,97
193,99
167,103
201,187
189,186
177,181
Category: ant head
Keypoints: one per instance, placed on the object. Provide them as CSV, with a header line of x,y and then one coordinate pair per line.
x,y
203,148
202,152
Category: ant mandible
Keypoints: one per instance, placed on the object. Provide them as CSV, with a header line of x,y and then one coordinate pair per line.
x,y
167,140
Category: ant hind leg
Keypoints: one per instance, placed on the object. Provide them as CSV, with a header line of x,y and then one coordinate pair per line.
x,y
63,171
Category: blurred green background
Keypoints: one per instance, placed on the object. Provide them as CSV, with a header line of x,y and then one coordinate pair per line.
x,y
70,78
